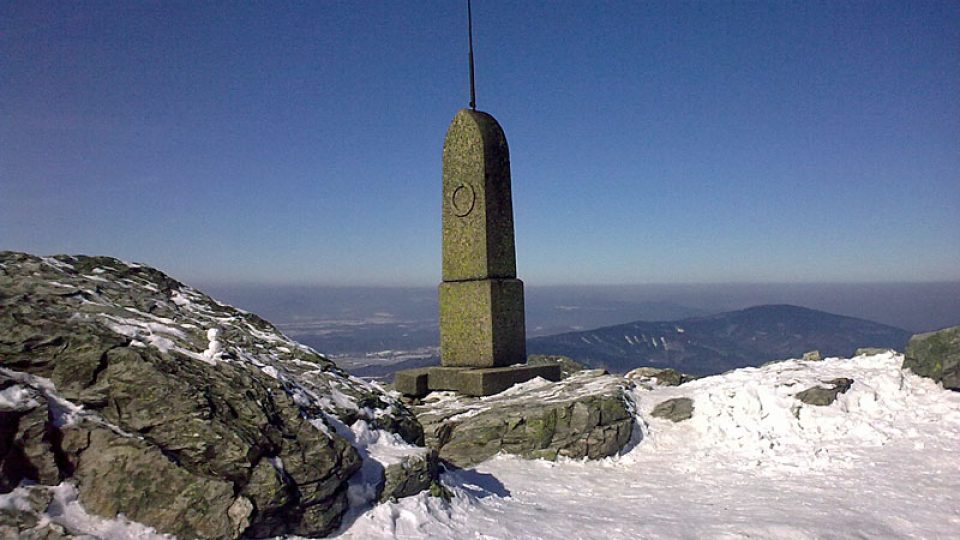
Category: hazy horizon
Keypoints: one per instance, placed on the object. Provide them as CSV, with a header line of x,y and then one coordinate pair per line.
x,y
917,307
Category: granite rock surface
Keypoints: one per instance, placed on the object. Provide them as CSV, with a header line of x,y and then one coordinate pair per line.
x,y
588,415
936,355
675,410
160,403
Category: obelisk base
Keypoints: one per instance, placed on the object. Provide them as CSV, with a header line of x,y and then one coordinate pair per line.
x,y
469,381
481,323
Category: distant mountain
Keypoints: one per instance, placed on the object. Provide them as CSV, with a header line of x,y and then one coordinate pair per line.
x,y
718,343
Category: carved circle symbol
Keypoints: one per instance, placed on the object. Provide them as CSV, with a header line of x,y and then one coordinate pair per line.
x,y
463,200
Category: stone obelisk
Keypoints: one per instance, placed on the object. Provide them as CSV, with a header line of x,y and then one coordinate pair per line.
x,y
482,334
482,337
481,299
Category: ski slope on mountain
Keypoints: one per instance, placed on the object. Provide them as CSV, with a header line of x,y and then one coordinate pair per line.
x,y
752,462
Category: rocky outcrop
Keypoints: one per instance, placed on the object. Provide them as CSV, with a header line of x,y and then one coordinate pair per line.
x,y
936,355
179,412
675,410
823,396
588,415
26,449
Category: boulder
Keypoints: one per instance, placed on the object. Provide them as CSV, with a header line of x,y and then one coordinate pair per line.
x,y
411,475
659,376
936,355
160,403
588,415
823,396
121,474
675,410
568,366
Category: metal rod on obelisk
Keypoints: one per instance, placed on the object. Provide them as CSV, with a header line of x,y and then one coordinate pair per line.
x,y
473,90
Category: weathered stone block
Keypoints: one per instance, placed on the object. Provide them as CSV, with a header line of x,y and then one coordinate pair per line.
x,y
471,381
489,381
482,323
445,378
411,382
477,206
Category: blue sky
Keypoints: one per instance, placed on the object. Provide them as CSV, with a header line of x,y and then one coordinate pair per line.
x,y
651,142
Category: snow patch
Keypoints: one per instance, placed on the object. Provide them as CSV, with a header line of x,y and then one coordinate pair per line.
x,y
152,334
752,462
57,264
17,398
214,346
385,447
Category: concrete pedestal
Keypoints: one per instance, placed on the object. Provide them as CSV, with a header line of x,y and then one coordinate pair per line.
x,y
469,381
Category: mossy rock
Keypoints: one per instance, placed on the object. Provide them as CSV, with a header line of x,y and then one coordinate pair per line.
x,y
675,410
936,355
130,401
662,376
587,415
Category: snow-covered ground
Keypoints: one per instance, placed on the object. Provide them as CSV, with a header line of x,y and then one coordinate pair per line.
x,y
883,461
753,462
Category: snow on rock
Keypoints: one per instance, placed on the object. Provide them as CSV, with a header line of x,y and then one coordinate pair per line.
x,y
383,454
753,416
17,398
54,512
214,346
385,447
165,399
751,462
153,310
588,414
